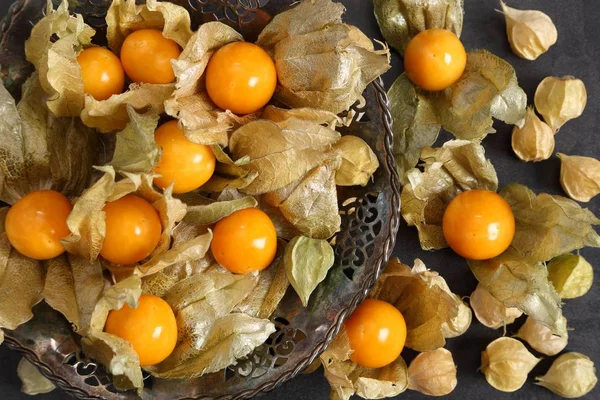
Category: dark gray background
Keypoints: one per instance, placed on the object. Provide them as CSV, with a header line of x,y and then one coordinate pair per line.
x,y
577,53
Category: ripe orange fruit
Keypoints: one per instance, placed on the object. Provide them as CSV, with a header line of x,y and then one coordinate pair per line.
x,y
478,224
241,77
245,241
37,222
101,72
151,328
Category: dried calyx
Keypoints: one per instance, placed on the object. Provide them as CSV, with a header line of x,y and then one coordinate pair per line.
x,y
571,275
571,375
433,373
579,176
506,363
490,311
540,337
530,32
559,100
535,140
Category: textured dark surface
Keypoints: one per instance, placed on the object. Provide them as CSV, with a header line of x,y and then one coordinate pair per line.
x,y
576,53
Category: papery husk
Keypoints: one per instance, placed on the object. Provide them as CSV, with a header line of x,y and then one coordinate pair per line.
x,y
571,375
535,140
424,303
416,124
112,114
433,373
571,275
32,381
306,263
579,176
125,17
40,151
359,162
455,167
559,100
346,378
23,290
459,324
338,59
490,311
215,211
56,60
87,220
547,226
320,117
401,20
541,339
487,89
115,353
73,287
272,149
530,32
523,284
136,151
202,121
506,363
229,174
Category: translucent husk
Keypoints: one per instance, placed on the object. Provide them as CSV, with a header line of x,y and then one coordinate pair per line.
x,y
534,141
490,311
571,275
571,375
433,373
541,338
579,176
559,100
506,363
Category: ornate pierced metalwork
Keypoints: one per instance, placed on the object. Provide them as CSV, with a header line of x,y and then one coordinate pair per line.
x,y
370,218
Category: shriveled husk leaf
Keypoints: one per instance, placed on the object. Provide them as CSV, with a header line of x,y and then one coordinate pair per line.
x,y
571,375
40,151
401,20
535,140
24,288
530,32
338,60
523,284
87,220
548,225
231,337
32,381
506,363
312,207
124,17
487,89
359,162
560,100
579,176
433,373
210,213
347,378
280,156
416,124
136,151
459,324
270,289
73,287
541,339
111,114
116,354
571,275
307,262
490,311
455,167
202,121
284,228
421,299
229,174
56,60
316,115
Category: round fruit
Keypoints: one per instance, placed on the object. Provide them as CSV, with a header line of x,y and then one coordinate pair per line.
x,y
377,332
133,230
182,161
101,72
478,224
245,241
146,56
151,328
435,59
37,222
241,77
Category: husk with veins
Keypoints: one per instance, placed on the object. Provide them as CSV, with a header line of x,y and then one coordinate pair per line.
x,y
338,61
455,167
346,378
202,121
40,151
